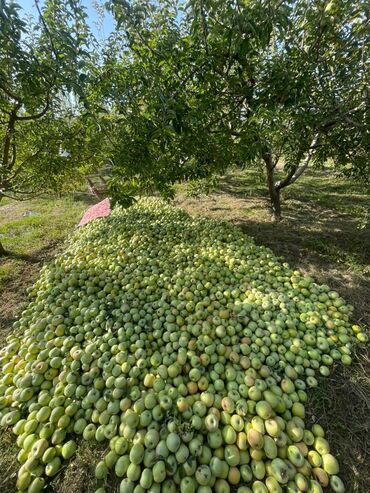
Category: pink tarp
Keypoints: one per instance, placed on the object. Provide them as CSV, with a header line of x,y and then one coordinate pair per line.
x,y
101,209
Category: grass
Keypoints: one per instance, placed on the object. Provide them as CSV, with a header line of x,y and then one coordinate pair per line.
x,y
79,475
8,461
325,233
32,232
26,227
341,404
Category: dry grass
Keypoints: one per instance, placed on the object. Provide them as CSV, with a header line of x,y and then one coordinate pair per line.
x,y
79,475
325,230
31,241
8,462
341,404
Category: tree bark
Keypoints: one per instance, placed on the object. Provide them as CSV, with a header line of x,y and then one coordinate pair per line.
x,y
294,174
7,142
3,252
7,158
273,191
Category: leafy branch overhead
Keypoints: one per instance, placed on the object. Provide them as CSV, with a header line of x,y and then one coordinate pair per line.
x,y
208,85
41,66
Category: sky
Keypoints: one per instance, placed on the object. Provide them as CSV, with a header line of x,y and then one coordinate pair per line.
x,y
100,30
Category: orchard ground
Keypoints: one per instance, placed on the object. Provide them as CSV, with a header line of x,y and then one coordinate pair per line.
x,y
325,233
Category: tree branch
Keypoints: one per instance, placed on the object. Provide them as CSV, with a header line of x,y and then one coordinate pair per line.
x,y
279,153
26,195
46,30
7,140
185,79
204,26
37,116
10,94
352,122
27,160
340,116
14,155
296,172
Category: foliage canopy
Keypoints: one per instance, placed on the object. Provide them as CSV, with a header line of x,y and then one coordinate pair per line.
x,y
41,83
195,89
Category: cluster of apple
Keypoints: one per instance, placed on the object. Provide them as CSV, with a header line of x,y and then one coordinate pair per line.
x,y
184,346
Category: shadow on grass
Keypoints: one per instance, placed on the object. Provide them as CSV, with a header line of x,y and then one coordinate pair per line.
x,y
8,461
86,198
316,187
323,255
13,293
243,186
35,257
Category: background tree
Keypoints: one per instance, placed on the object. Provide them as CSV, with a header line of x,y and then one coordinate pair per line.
x,y
152,112
42,72
314,101
225,83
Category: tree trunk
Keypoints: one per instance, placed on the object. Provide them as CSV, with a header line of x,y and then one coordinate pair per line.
x,y
3,252
7,143
273,191
298,170
7,160
275,204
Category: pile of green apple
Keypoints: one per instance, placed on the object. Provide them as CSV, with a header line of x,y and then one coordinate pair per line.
x,y
182,345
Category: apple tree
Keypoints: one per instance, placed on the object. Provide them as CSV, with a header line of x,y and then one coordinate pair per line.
x,y
42,71
192,90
